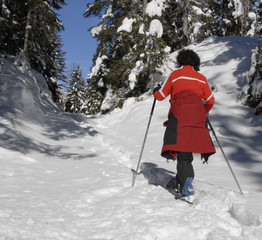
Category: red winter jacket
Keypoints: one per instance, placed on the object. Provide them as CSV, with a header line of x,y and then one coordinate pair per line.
x,y
186,126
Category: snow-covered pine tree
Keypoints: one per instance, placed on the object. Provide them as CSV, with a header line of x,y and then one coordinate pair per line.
x,y
44,44
234,17
114,43
33,25
149,49
193,20
132,44
135,36
254,17
199,19
93,97
253,90
106,32
12,15
174,34
258,27
76,92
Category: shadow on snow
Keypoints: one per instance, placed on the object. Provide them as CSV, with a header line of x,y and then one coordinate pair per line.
x,y
155,175
56,127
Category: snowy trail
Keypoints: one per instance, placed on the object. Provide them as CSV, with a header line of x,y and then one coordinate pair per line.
x,y
92,198
218,213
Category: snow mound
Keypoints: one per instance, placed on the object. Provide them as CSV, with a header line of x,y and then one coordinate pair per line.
x,y
26,104
24,91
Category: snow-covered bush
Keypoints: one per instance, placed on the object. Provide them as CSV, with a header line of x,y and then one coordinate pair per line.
x,y
253,90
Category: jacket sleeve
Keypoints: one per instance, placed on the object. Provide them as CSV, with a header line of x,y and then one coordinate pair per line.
x,y
164,91
208,97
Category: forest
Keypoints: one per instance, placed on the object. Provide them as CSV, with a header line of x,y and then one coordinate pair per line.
x,y
135,39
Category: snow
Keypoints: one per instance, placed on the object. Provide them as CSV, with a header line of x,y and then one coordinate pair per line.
x,y
196,26
96,30
5,9
68,177
134,73
109,101
156,28
198,10
253,18
141,28
108,12
99,64
126,25
237,5
155,8
100,83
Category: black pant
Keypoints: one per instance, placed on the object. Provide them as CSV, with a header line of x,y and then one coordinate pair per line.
x,y
184,167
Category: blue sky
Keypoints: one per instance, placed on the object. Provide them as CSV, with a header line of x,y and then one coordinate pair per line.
x,y
79,44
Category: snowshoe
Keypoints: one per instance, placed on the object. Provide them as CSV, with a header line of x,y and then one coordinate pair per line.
x,y
188,191
173,187
173,184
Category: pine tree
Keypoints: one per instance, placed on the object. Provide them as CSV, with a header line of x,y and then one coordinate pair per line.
x,y
259,19
199,20
33,26
94,98
131,45
175,25
12,15
44,43
232,17
254,92
135,37
77,91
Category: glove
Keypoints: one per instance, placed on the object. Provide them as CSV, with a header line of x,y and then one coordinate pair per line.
x,y
157,88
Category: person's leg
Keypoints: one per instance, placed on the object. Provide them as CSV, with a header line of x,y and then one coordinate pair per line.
x,y
185,171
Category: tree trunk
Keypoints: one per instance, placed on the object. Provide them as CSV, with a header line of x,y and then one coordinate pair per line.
x,y
244,18
27,30
185,20
144,7
154,81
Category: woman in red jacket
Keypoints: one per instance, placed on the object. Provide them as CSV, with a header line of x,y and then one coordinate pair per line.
x,y
186,132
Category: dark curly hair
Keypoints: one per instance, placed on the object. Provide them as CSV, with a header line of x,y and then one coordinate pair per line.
x,y
188,57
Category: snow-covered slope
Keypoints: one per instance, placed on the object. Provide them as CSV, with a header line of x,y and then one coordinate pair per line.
x,y
69,177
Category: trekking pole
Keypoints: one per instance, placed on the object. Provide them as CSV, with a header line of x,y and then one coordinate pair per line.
x,y
213,131
135,173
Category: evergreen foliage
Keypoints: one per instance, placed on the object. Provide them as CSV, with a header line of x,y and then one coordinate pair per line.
x,y
32,27
133,55
254,87
93,97
130,49
135,37
77,91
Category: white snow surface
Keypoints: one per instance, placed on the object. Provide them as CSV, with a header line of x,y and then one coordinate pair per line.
x,y
68,177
